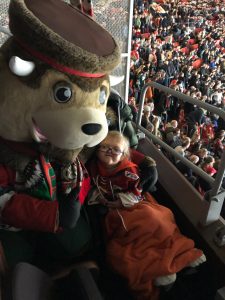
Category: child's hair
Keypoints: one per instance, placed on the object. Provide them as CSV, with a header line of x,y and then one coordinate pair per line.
x,y
117,135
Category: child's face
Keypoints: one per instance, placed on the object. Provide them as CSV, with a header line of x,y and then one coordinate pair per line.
x,y
111,151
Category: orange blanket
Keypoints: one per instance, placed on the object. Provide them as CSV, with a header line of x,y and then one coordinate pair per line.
x,y
144,242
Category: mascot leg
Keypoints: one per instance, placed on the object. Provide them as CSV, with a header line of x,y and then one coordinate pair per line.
x,y
68,244
33,247
16,247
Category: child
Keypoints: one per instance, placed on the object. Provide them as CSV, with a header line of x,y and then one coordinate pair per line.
x,y
143,243
113,162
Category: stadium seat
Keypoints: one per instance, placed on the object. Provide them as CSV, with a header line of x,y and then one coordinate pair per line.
x,y
197,63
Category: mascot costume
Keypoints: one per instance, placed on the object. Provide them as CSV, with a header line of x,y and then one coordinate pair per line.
x,y
54,88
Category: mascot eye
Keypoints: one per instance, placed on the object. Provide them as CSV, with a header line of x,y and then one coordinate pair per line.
x,y
62,92
102,96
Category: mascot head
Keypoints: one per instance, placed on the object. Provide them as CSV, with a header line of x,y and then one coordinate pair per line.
x,y
54,75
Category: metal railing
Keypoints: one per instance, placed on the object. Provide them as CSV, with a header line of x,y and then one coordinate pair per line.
x,y
216,193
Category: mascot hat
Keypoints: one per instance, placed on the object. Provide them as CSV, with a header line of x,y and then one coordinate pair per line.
x,y
63,37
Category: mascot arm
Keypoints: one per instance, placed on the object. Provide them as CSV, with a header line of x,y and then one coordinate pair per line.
x,y
148,170
69,209
24,211
29,213
69,206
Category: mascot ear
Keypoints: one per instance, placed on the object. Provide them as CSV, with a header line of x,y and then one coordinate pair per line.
x,y
21,67
114,80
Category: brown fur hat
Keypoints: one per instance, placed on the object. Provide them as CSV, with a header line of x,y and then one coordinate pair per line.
x,y
64,38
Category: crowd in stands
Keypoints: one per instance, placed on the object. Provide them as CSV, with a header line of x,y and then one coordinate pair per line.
x,y
181,45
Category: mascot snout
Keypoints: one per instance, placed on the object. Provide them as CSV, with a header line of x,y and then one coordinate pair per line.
x,y
70,128
91,129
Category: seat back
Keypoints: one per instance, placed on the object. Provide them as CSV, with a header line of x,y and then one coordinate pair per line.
x,y
30,283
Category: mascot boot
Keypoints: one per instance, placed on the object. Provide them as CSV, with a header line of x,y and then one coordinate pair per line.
x,y
54,76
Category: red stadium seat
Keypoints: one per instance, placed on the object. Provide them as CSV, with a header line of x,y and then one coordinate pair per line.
x,y
197,63
145,35
191,42
195,46
185,50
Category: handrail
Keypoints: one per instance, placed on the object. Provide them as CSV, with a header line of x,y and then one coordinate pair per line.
x,y
216,184
179,95
187,162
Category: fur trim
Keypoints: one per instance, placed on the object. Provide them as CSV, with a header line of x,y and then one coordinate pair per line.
x,y
28,29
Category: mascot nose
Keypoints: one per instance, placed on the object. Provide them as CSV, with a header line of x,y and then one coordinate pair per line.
x,y
91,128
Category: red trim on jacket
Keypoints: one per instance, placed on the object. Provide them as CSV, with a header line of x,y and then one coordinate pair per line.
x,y
85,187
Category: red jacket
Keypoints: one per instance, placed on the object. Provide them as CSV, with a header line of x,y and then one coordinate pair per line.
x,y
122,182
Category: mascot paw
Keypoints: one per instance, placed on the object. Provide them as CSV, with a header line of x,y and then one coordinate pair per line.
x,y
165,280
198,261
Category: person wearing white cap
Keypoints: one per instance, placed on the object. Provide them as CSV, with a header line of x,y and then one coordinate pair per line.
x,y
147,116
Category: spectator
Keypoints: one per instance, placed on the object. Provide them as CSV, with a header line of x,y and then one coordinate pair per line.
x,y
207,165
218,144
147,116
202,154
185,145
187,171
195,119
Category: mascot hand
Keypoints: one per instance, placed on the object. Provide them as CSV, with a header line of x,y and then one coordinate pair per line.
x,y
69,209
149,174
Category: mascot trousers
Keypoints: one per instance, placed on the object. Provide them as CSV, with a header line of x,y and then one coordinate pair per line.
x,y
33,247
